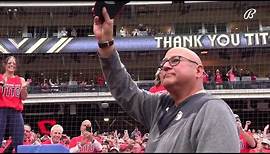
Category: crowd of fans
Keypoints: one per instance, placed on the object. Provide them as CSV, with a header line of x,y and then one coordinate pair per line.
x,y
140,30
228,79
232,79
252,141
48,85
143,30
64,33
89,141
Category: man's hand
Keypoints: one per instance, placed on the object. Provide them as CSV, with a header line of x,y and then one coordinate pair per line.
x,y
265,131
266,127
247,125
104,32
87,137
239,126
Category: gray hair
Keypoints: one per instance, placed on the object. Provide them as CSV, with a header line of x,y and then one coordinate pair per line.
x,y
57,126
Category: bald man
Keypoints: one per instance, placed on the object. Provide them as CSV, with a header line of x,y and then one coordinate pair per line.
x,y
86,141
187,118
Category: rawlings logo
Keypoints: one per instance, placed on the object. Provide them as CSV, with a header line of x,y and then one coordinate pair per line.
x,y
249,14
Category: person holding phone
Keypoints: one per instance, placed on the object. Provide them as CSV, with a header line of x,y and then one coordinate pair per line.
x,y
86,141
247,141
186,119
13,90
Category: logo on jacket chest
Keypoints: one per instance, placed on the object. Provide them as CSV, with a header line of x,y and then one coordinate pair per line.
x,y
178,116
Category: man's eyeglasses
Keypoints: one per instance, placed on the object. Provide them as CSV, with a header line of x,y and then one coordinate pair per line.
x,y
175,60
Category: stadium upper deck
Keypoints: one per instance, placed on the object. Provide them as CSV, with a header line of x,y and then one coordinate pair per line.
x,y
224,34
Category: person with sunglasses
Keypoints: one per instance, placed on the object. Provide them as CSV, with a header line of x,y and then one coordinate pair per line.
x,y
13,90
187,118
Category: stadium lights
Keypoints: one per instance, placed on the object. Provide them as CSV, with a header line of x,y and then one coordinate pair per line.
x,y
204,52
106,119
71,3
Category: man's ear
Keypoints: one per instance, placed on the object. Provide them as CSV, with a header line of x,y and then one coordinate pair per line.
x,y
199,71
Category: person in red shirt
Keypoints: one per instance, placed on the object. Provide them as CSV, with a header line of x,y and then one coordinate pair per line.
x,y
158,87
231,75
55,135
136,148
135,133
253,76
205,80
27,134
85,143
65,140
247,141
30,138
264,147
13,90
218,80
100,80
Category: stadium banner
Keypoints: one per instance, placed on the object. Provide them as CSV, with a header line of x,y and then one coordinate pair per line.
x,y
140,43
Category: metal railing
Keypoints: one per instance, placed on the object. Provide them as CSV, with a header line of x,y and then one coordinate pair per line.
x,y
264,84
